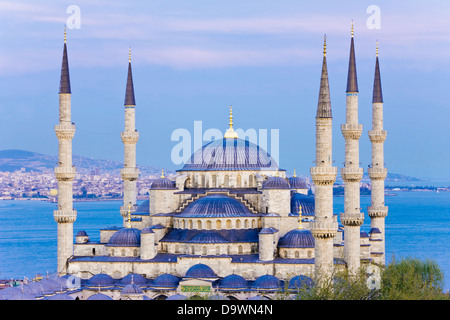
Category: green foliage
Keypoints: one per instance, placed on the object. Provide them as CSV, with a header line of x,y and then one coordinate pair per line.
x,y
412,279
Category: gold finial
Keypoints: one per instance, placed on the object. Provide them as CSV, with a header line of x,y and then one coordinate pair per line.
x,y
231,134
352,28
276,173
65,34
300,217
295,174
162,173
325,45
129,216
129,55
377,48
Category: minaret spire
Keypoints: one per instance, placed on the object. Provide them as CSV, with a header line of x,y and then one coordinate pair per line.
x,y
129,93
352,81
324,105
64,84
130,136
377,92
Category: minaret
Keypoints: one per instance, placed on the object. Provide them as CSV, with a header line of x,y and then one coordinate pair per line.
x,y
129,137
377,210
65,216
324,227
352,218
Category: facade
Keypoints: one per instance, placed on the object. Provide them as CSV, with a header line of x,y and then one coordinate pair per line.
x,y
231,224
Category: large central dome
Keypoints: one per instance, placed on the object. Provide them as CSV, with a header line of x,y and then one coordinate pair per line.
x,y
230,154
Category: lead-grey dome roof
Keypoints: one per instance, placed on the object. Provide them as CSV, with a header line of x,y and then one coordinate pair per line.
x,y
230,154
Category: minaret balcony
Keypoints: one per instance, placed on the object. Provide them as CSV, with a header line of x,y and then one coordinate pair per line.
x,y
377,136
352,219
65,131
351,131
65,216
377,211
323,230
322,176
377,173
129,137
352,174
65,173
129,173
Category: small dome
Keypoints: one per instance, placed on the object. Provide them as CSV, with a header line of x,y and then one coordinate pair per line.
x,y
99,296
364,234
208,237
297,238
135,278
162,184
101,279
166,280
297,183
216,205
146,230
306,201
200,271
234,282
299,282
132,289
36,288
81,233
374,230
276,183
126,237
269,230
267,282
51,286
22,296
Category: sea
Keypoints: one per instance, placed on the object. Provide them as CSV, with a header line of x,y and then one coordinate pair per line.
x,y
417,226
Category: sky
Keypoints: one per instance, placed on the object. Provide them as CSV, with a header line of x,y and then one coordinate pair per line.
x,y
193,59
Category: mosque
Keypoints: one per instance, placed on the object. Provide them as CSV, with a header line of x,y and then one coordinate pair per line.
x,y
231,224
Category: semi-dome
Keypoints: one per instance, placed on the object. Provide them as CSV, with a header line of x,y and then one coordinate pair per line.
x,y
267,282
166,280
230,154
307,203
126,237
101,279
233,282
200,271
299,282
276,183
215,205
297,238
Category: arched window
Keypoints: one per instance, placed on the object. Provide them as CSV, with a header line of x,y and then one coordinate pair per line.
x,y
246,224
238,180
251,182
208,224
297,255
217,250
253,223
228,224
199,224
214,181
218,224
240,250
135,253
226,181
122,253
190,224
238,224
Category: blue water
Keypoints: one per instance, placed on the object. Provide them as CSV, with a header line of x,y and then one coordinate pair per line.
x,y
417,225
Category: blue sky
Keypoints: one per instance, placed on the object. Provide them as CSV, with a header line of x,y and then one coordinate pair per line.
x,y
192,59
